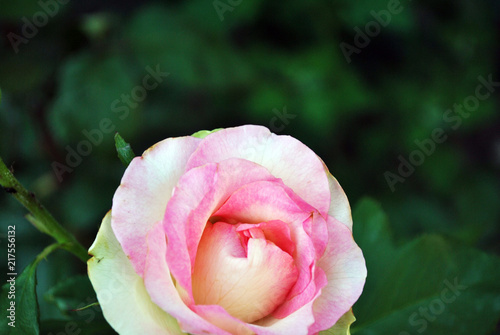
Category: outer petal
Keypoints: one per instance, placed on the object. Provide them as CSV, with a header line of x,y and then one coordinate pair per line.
x,y
339,206
345,269
145,189
284,156
221,318
296,323
161,288
124,300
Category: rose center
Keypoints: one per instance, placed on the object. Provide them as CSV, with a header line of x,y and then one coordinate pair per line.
x,y
239,269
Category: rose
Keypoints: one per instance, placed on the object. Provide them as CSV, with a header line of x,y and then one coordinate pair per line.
x,y
237,231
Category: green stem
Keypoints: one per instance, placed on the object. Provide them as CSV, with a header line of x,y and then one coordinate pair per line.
x,y
40,216
45,252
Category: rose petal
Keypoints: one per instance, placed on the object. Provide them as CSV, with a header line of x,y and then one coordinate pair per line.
x,y
345,270
264,201
284,156
121,292
146,187
222,319
162,290
296,323
302,293
248,287
198,194
339,206
261,201
275,231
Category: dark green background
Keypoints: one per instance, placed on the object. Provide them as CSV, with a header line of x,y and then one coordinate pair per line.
x,y
264,57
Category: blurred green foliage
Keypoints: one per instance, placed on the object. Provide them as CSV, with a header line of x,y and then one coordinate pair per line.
x,y
430,285
270,63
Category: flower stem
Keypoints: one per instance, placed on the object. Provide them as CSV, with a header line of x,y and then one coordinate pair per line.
x,y
39,216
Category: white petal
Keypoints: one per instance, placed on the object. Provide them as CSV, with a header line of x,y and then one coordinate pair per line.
x,y
339,204
122,295
145,189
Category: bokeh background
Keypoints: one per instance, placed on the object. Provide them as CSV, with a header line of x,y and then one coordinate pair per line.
x,y
277,64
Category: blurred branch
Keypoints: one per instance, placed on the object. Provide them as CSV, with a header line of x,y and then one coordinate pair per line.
x,y
40,216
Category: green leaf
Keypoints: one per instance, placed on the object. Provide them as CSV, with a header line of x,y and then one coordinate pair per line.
x,y
205,133
77,301
72,294
80,327
15,10
342,327
208,62
27,69
24,319
124,150
94,100
429,284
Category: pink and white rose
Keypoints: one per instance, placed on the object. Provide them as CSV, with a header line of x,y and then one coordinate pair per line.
x,y
239,232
